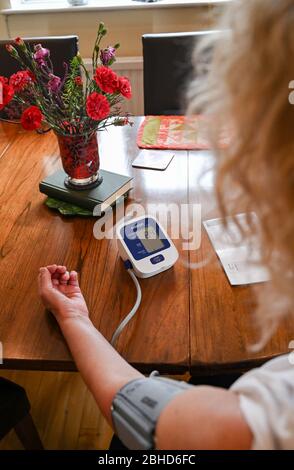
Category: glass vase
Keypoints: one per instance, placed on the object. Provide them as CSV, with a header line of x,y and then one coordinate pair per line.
x,y
80,160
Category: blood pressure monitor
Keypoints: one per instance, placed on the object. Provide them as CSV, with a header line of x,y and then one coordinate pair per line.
x,y
146,245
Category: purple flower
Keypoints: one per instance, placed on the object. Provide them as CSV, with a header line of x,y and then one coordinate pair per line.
x,y
54,83
107,55
41,53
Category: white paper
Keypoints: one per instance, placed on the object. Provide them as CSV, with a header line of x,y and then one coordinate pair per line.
x,y
240,259
153,159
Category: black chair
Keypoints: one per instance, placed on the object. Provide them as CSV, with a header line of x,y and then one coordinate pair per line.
x,y
168,70
62,49
15,414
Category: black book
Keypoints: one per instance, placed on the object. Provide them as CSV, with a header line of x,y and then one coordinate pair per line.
x,y
112,188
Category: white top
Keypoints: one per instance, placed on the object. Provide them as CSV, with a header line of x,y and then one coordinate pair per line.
x,y
267,403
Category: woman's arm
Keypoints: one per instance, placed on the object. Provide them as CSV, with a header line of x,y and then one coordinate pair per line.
x,y
102,368
203,418
104,371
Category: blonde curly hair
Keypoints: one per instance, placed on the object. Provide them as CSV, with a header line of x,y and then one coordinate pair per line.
x,y
247,90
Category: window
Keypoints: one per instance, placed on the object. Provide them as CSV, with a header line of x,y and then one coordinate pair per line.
x,y
23,2
21,5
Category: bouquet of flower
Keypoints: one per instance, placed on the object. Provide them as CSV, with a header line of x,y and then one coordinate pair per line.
x,y
74,104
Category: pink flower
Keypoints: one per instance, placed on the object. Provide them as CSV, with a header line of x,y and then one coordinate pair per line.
x,y
41,53
54,83
107,55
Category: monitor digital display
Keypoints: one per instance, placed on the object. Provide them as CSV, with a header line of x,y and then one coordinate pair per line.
x,y
150,239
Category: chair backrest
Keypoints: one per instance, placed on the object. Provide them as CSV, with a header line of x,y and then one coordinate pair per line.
x,y
62,49
168,69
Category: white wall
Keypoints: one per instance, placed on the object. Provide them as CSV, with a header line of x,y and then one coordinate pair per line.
x,y
125,26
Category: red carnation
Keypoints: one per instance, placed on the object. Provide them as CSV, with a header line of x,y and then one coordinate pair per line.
x,y
6,92
31,118
12,51
97,106
31,75
124,87
78,81
19,41
9,48
20,80
3,80
106,79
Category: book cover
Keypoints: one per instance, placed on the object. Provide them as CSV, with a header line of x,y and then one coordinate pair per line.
x,y
112,188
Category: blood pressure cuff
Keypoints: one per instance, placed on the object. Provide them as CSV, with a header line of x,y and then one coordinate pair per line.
x,y
137,406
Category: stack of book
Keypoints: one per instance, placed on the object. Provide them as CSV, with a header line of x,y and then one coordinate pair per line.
x,y
112,188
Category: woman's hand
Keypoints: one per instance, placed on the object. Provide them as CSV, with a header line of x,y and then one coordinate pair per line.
x,y
61,293
92,353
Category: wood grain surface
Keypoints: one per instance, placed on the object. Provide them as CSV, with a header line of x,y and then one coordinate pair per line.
x,y
189,318
222,323
33,235
64,412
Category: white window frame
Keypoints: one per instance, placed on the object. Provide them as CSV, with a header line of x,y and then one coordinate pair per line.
x,y
23,6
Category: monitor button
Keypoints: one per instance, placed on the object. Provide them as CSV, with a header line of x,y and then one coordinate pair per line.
x,y
157,259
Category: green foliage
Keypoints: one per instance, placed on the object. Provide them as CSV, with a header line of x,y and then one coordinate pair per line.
x,y
67,209
73,94
102,31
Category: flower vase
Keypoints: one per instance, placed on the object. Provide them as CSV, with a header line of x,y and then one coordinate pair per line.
x,y
80,160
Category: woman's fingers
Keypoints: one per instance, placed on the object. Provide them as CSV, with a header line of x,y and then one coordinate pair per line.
x,y
73,278
52,268
59,275
64,278
45,281
61,269
56,270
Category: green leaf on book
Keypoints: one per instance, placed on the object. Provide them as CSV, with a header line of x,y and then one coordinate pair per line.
x,y
67,209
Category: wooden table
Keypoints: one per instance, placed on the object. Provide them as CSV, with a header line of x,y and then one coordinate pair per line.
x,y
188,320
